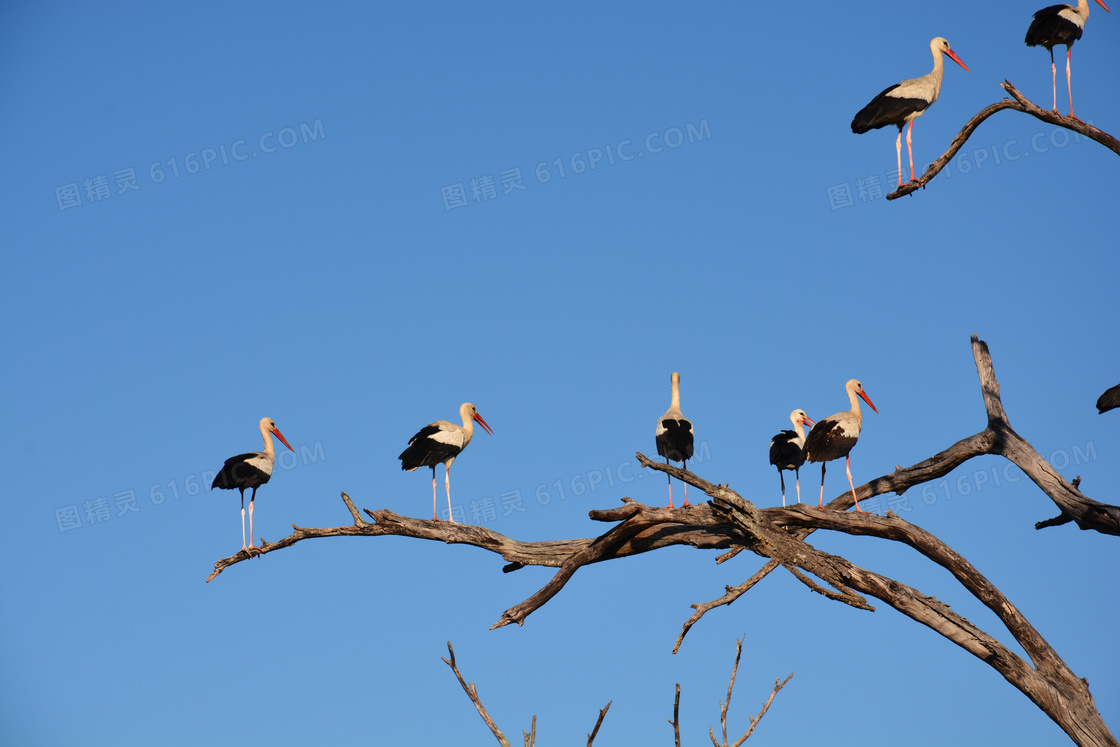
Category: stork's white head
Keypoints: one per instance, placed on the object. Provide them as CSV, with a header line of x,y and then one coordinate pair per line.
x,y
798,417
940,45
468,412
854,387
268,426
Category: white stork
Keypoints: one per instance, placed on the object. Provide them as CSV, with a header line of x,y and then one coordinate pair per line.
x,y
787,450
835,436
674,435
250,471
904,102
439,443
1060,24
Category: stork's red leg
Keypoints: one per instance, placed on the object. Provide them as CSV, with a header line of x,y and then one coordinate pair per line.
x,y
252,499
783,479
243,521
1069,84
909,152
848,463
1054,78
797,477
685,463
447,484
898,160
820,501
670,481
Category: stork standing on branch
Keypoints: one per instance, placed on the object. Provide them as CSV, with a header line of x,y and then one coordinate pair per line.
x,y
904,102
674,435
250,471
787,450
1060,24
835,436
439,443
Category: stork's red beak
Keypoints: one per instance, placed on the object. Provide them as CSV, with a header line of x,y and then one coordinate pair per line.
x,y
865,399
276,432
954,58
807,420
1101,3
482,422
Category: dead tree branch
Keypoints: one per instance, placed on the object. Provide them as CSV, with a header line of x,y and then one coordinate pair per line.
x,y
1020,103
778,685
472,693
598,723
530,737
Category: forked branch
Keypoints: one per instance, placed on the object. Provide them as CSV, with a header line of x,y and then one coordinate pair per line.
x,y
778,685
472,693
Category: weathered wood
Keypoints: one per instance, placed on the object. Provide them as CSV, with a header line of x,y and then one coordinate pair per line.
x,y
598,723
1020,103
723,706
472,693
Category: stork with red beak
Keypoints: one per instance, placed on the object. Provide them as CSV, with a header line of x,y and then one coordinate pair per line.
x,y
787,450
904,102
250,470
439,443
1060,24
835,436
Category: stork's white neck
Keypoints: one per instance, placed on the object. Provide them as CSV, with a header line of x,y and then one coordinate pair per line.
x,y
268,447
937,74
468,424
854,399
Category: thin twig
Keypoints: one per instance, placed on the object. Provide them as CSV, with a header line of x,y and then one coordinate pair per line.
x,y
472,693
598,723
766,706
530,737
724,705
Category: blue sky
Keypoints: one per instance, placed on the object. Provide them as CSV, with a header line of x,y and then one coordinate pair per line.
x,y
353,220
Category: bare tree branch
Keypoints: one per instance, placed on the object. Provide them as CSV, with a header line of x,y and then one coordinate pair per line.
x,y
472,693
1020,103
727,703
778,685
683,530
733,593
595,731
1050,684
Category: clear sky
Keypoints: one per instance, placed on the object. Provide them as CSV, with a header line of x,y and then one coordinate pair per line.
x,y
353,220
